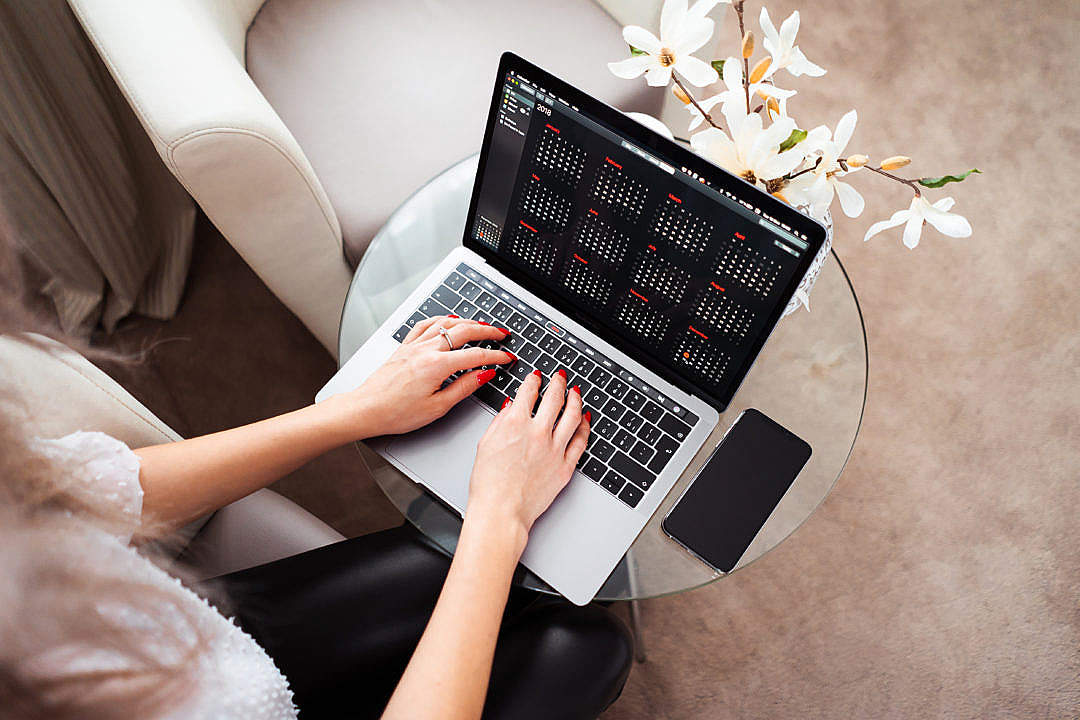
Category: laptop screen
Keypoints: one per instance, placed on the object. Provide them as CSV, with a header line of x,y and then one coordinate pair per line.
x,y
632,240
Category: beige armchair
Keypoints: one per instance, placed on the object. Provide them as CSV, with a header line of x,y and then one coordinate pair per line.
x,y
61,392
298,125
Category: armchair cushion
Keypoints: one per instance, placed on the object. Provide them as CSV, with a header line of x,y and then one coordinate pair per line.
x,y
381,96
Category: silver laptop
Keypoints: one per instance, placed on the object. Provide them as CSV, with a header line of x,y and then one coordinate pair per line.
x,y
652,277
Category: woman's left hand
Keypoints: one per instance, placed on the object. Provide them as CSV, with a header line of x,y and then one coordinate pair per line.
x,y
406,393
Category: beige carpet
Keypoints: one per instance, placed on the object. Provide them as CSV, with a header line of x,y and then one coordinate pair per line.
x,y
941,578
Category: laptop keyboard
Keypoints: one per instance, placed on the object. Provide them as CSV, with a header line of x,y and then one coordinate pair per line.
x,y
635,428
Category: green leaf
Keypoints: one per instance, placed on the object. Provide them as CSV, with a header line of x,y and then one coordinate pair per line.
x,y
796,137
634,52
936,182
718,66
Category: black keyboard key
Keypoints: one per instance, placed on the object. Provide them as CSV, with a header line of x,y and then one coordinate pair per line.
x,y
528,353
642,453
595,398
446,296
631,495
601,449
534,332
617,388
482,316
650,433
633,472
612,482
690,418
546,365
431,307
549,343
487,301
606,429
518,322
402,332
513,343
624,440
613,409
566,355
454,281
415,318
584,385
465,309
501,380
674,426
634,400
652,412
503,312
512,388
490,396
665,448
583,365
470,291
600,376
594,470
632,422
520,371
584,459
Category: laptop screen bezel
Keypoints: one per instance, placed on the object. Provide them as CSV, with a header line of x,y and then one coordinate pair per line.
x,y
674,153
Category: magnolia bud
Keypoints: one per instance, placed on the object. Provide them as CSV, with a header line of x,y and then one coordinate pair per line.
x,y
759,70
681,94
895,162
773,105
857,160
748,44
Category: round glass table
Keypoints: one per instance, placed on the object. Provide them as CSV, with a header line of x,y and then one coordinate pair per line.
x,y
811,377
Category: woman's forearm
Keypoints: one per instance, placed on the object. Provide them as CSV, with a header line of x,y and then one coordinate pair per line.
x,y
184,480
448,674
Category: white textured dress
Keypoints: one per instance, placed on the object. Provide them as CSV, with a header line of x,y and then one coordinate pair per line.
x,y
235,678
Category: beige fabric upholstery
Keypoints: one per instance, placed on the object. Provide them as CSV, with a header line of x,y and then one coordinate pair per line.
x,y
382,96
56,391
180,64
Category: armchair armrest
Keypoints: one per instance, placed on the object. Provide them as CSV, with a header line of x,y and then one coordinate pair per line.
x,y
180,65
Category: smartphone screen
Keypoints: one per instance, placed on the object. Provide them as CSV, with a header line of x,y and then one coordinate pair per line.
x,y
737,489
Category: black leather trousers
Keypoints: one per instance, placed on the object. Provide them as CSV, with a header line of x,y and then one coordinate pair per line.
x,y
342,621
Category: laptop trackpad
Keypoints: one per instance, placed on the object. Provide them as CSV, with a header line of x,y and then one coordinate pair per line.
x,y
441,455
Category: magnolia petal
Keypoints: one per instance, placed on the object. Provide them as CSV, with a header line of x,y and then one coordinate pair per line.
x,y
652,123
778,132
733,74
799,65
672,18
641,38
694,37
771,90
779,165
913,230
851,202
631,67
698,72
945,204
772,38
947,223
788,30
844,129
702,8
898,218
658,76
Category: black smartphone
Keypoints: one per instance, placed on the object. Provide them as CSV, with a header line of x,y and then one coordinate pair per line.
x,y
733,495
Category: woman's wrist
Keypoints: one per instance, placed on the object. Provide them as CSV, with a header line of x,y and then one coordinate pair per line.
x,y
497,527
348,417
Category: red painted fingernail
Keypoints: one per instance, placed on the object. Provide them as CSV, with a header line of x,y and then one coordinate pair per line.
x,y
485,376
576,389
454,316
503,330
587,415
506,402
512,356
483,323
563,373
536,373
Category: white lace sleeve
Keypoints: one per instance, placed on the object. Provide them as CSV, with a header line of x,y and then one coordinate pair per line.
x,y
106,471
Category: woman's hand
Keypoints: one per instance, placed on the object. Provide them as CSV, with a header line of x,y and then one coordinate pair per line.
x,y
406,393
524,461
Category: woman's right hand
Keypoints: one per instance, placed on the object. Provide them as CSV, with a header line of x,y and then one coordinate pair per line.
x,y
524,461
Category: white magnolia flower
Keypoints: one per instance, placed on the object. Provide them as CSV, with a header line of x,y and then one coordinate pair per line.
x,y
752,152
732,100
781,46
682,32
652,123
938,215
816,189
